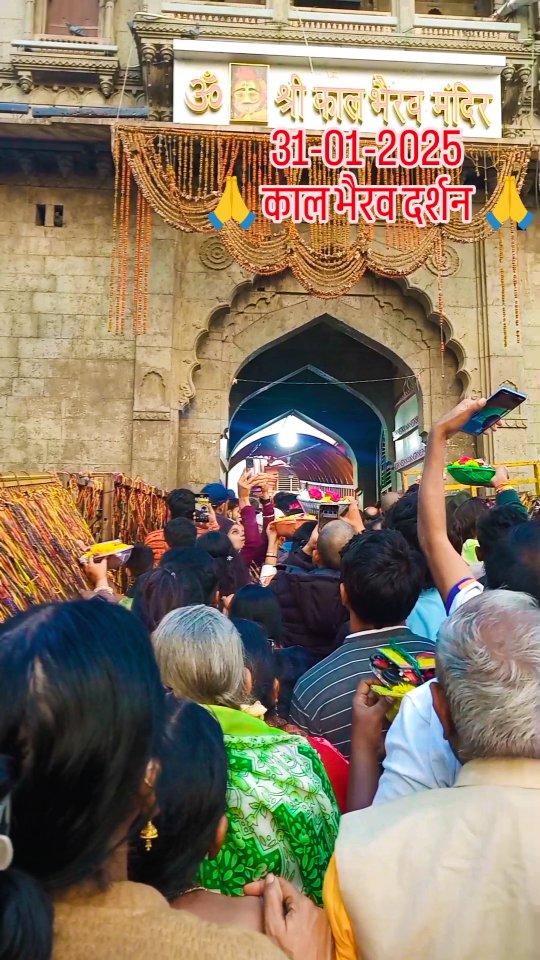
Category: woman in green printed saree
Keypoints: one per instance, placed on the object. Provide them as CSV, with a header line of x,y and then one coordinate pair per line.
x,y
283,816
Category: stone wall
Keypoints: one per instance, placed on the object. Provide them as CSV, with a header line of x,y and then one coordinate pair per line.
x,y
66,387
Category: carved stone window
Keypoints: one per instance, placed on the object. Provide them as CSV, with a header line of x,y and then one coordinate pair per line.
x,y
47,19
72,18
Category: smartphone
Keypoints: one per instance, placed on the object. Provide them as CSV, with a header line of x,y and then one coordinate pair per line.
x,y
500,403
250,463
202,514
327,513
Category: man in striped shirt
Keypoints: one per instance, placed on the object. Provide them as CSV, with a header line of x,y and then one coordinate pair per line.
x,y
381,578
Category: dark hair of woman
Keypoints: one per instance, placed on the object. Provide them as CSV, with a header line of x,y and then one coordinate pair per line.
x,y
258,603
164,590
179,533
231,570
466,517
139,566
291,664
260,661
196,561
191,798
82,709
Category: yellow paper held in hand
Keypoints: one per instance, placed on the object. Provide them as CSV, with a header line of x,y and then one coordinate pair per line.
x,y
109,548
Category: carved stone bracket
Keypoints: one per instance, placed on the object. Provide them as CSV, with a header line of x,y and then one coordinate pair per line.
x,y
157,68
59,66
25,80
106,84
516,96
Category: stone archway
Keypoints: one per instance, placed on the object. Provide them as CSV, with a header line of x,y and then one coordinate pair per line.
x,y
264,311
319,391
306,371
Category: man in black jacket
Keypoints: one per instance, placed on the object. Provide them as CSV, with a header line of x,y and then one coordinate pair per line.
x,y
308,592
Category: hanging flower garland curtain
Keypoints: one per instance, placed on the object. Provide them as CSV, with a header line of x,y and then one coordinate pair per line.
x,y
181,174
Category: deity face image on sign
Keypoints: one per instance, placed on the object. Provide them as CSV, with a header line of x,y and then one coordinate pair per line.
x,y
249,86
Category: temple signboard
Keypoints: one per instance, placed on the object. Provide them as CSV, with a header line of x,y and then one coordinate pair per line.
x,y
370,94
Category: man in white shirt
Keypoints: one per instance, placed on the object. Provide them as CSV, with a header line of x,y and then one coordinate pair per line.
x,y
417,755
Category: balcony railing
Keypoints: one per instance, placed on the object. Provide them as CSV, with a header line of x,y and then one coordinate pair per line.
x,y
452,21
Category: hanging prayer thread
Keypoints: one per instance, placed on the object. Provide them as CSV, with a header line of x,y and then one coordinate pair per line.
x,y
118,507
138,508
502,279
41,532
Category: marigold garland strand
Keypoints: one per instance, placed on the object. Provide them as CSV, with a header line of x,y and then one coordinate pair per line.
x,y
502,279
515,279
439,263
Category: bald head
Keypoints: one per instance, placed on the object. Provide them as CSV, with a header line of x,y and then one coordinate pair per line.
x,y
332,539
388,500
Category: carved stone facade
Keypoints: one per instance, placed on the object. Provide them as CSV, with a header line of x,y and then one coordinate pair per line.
x,y
74,396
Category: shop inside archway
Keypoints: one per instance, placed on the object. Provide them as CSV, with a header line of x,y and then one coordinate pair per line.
x,y
300,453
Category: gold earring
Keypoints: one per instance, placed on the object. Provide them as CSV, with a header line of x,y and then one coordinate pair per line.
x,y
149,833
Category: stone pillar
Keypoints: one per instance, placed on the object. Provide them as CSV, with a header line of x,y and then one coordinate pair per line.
x,y
29,13
155,405
198,453
280,9
529,260
404,11
108,31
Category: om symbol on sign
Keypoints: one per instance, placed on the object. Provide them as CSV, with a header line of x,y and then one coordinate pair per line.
x,y
206,92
